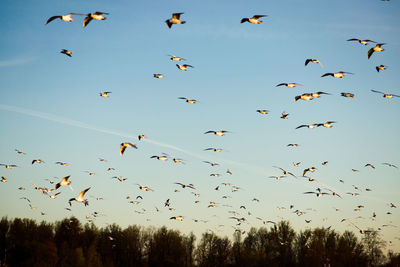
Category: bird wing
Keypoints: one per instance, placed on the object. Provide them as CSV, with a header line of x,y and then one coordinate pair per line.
x,y
83,192
281,84
176,15
327,74
258,16
52,18
353,39
169,24
101,13
307,61
301,126
370,52
209,132
122,149
87,20
377,92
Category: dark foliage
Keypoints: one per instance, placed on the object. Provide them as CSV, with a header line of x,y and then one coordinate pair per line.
x,y
24,242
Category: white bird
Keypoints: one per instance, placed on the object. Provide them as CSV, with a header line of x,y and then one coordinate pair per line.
x,y
124,146
80,198
184,66
174,20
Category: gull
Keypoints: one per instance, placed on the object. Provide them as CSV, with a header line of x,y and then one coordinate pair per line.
x,y
219,133
339,74
184,66
54,195
277,177
312,169
307,221
262,111
124,146
134,202
284,115
179,161
90,173
309,126
293,145
312,61
62,163
96,16
158,75
327,124
175,58
64,182
213,149
3,179
306,96
377,48
255,19
27,199
174,20
66,52
21,188
187,100
177,218
37,161
142,136
353,194
20,152
369,165
144,188
228,171
213,164
390,165
215,174
104,94
285,172
110,169
364,42
102,160
393,205
318,194
380,67
324,163
80,198
385,95
256,199
296,164
333,193
290,85
162,158
167,203
120,178
347,95
318,94
63,18
184,185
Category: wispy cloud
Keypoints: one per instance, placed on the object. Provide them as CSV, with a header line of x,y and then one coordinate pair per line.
x,y
16,61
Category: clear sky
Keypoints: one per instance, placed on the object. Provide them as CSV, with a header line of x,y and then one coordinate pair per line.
x,y
50,109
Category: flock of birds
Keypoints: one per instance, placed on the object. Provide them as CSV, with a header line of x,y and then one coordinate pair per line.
x,y
240,215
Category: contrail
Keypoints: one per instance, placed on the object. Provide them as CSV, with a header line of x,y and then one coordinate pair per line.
x,y
83,125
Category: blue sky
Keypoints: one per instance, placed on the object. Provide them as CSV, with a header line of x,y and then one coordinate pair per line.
x,y
51,109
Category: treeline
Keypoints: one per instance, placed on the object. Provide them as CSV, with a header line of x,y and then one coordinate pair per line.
x,y
24,242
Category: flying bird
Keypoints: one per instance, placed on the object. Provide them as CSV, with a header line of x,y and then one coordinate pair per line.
x,y
37,161
213,149
262,111
339,74
284,115
67,17
66,52
64,182
177,218
290,85
124,146
20,152
142,136
385,95
105,94
175,58
380,67
377,48
306,96
80,198
347,95
96,16
187,100
309,126
313,61
174,20
364,42
184,66
255,19
327,124
158,75
219,133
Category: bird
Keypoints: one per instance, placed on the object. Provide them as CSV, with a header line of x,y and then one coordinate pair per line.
x,y
218,133
306,96
187,100
213,149
80,198
339,74
104,94
142,136
124,146
184,185
144,188
290,85
309,126
262,111
318,94
312,169
385,95
3,179
177,218
284,115
369,165
158,76
377,48
318,194
64,182
390,165
228,171
324,163
293,145
96,16
162,158
175,58
213,164
347,95
174,20
313,61
255,19
37,161
167,203
284,171
364,42
54,195
66,52
20,152
9,166
120,178
67,18
380,67
62,163
184,66
327,124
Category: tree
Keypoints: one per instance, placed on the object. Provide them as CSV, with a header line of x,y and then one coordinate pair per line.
x,y
373,245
